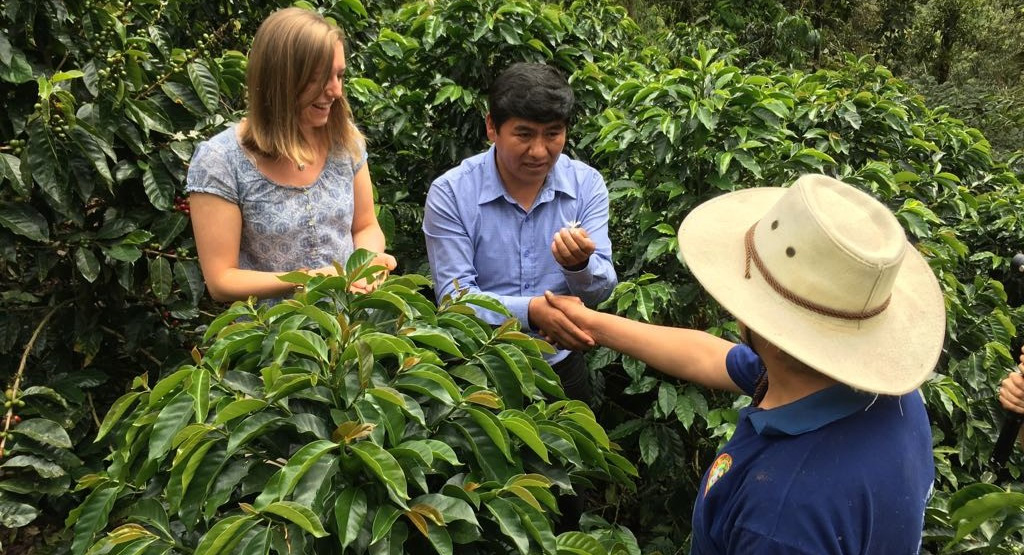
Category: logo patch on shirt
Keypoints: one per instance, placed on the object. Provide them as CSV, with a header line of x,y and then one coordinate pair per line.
x,y
718,469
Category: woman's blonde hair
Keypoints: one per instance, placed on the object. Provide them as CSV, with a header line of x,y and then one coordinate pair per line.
x,y
292,48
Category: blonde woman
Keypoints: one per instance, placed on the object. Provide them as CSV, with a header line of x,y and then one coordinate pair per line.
x,y
288,187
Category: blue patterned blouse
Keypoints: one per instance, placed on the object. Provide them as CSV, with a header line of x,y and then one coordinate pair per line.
x,y
283,228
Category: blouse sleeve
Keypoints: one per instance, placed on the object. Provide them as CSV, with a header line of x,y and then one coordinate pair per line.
x,y
359,161
212,171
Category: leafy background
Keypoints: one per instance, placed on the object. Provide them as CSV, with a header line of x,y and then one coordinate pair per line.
x,y
102,300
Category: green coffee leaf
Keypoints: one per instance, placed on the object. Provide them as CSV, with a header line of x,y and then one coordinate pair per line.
x,y
523,427
222,538
293,471
383,465
23,219
350,511
297,514
509,523
44,431
492,426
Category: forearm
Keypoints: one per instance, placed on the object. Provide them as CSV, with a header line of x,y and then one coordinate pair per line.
x,y
366,231
370,238
594,283
235,284
687,354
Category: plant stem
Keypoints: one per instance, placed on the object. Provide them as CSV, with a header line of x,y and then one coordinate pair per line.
x,y
21,371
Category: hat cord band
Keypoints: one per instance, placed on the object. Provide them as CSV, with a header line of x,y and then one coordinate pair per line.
x,y
751,254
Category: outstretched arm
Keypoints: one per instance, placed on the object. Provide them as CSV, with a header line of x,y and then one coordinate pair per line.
x,y
556,327
687,354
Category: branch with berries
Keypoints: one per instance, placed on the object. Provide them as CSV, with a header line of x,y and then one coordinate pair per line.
x,y
12,392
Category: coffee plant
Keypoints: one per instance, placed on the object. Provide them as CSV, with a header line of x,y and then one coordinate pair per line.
x,y
334,420
142,417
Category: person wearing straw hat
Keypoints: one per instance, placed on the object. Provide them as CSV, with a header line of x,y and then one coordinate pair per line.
x,y
841,321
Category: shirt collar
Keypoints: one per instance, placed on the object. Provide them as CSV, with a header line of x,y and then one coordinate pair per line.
x,y
810,413
492,187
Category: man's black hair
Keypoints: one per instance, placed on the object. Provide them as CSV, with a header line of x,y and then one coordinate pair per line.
x,y
534,92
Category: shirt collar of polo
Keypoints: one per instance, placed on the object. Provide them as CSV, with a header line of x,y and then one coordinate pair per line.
x,y
810,413
492,188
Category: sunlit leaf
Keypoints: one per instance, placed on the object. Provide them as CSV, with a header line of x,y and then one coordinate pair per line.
x,y
44,431
293,471
91,516
115,412
493,427
171,419
384,466
225,534
297,514
350,512
524,428
383,520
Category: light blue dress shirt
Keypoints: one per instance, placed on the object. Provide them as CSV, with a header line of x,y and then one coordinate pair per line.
x,y
479,236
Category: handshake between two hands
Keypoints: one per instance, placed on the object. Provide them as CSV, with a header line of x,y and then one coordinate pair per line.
x,y
562,321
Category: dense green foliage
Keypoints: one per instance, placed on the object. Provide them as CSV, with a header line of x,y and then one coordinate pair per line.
x,y
379,409
104,316
964,54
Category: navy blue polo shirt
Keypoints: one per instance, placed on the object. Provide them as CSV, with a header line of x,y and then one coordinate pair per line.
x,y
836,472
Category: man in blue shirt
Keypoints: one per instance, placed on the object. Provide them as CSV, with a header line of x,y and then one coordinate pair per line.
x,y
523,218
841,320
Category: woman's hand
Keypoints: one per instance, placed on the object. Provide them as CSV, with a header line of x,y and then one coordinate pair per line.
x,y
381,259
324,271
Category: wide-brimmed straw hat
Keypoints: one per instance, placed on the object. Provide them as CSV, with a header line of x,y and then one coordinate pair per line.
x,y
823,271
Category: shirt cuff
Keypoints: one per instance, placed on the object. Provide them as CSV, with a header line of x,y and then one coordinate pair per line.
x,y
580,279
520,308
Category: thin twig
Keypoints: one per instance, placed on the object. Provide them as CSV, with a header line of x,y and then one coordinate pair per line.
x,y
9,415
174,256
92,410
